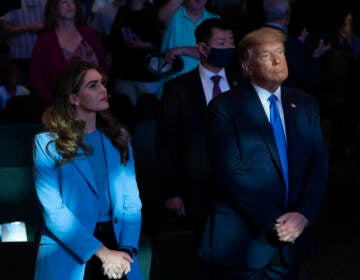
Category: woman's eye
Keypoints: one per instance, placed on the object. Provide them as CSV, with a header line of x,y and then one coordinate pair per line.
x,y
92,85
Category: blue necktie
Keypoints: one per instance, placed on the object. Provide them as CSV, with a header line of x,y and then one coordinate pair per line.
x,y
279,135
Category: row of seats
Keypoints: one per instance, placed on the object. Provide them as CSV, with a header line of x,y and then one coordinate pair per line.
x,y
18,202
17,194
161,256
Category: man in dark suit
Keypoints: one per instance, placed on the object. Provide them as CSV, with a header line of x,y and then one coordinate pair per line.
x,y
268,194
183,157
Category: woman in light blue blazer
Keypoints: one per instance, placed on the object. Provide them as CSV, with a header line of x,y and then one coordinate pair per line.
x,y
85,181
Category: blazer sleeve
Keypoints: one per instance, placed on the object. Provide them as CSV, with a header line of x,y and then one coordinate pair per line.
x,y
131,208
316,179
58,218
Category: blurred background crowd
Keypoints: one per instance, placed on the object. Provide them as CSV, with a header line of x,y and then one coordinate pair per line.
x,y
142,44
128,39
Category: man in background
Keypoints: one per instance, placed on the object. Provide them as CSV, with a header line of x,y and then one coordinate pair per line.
x,y
185,172
179,19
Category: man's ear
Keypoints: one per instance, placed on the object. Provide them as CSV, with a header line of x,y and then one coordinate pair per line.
x,y
74,100
203,48
245,67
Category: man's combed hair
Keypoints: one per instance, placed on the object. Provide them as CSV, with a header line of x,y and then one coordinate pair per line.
x,y
259,36
203,31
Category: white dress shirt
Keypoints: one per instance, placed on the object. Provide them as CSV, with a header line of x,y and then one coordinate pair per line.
x,y
264,95
208,84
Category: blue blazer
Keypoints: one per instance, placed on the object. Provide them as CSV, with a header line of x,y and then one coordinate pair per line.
x,y
68,197
251,189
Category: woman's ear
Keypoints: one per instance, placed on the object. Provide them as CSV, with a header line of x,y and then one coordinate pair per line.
x,y
74,100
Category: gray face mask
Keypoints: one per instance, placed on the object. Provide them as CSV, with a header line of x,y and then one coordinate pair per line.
x,y
220,57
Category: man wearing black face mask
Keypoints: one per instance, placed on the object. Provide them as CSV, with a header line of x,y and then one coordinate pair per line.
x,y
184,168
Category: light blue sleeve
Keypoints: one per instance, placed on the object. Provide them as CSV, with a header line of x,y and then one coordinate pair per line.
x,y
59,220
131,208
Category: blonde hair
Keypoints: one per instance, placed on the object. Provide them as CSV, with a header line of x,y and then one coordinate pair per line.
x,y
257,37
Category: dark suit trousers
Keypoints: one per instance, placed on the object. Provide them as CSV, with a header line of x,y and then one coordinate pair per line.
x,y
276,269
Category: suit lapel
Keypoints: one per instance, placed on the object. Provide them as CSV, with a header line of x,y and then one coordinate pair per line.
x,y
112,161
198,93
290,111
115,172
82,165
234,81
254,109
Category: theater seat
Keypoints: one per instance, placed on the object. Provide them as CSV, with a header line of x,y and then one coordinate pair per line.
x,y
18,201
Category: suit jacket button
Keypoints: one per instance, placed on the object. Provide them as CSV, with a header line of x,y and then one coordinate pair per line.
x,y
116,220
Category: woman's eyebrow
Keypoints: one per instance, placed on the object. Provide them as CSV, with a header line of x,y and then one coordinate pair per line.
x,y
93,81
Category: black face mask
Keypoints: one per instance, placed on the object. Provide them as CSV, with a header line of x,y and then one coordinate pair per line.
x,y
220,57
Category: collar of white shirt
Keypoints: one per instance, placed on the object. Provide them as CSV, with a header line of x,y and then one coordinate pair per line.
x,y
207,83
264,95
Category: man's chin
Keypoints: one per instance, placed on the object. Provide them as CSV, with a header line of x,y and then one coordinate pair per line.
x,y
282,77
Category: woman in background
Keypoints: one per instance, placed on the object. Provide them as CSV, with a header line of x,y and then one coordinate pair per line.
x,y
85,181
64,40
